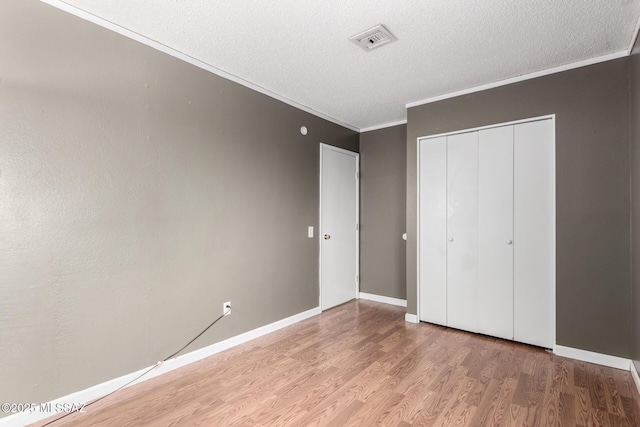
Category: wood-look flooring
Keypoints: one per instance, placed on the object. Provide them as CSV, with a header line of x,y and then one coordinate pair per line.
x,y
361,364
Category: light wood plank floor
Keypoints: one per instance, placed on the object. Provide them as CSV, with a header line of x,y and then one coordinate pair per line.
x,y
361,364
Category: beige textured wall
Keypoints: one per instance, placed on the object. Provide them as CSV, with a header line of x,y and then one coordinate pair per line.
x,y
383,156
137,194
593,310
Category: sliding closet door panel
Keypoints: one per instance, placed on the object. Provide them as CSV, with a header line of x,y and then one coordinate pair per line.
x,y
495,232
433,230
534,233
462,231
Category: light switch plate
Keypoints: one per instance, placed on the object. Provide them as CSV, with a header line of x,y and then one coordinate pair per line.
x,y
310,231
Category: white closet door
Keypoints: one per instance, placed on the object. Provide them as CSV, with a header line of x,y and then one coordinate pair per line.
x,y
462,231
495,232
534,233
433,230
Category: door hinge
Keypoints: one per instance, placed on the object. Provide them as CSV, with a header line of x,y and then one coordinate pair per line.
x,y
357,278
357,175
357,227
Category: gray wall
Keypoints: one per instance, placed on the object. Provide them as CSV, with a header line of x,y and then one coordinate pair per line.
x,y
592,191
137,194
383,157
635,200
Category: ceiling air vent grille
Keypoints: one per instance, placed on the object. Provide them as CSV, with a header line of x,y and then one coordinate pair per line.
x,y
373,38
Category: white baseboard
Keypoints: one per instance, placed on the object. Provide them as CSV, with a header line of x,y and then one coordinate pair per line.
x,y
96,391
411,318
634,374
380,298
592,357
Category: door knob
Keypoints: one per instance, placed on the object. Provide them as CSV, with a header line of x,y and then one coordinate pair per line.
x,y
509,242
451,239
326,237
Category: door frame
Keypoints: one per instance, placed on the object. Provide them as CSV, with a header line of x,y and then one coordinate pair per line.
x,y
324,146
552,117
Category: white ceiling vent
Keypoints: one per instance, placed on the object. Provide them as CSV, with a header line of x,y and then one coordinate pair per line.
x,y
373,37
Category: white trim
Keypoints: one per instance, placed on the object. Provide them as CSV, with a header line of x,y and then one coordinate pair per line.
x,y
384,125
339,150
411,318
592,357
106,387
521,78
634,37
320,230
634,374
357,225
417,232
59,4
554,320
496,125
357,219
381,298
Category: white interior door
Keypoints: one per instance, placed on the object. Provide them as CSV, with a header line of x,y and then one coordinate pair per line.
x,y
338,226
495,232
462,231
534,233
433,230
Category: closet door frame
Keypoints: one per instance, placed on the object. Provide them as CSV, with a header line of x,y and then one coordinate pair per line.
x,y
552,117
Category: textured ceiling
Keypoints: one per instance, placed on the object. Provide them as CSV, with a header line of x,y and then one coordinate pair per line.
x,y
300,50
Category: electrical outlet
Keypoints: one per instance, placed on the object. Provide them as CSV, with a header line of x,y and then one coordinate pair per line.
x,y
226,308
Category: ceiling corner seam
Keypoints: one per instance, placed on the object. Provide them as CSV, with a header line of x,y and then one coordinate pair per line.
x,y
634,37
88,16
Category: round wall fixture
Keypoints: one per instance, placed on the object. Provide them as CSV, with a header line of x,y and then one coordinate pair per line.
x,y
303,130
